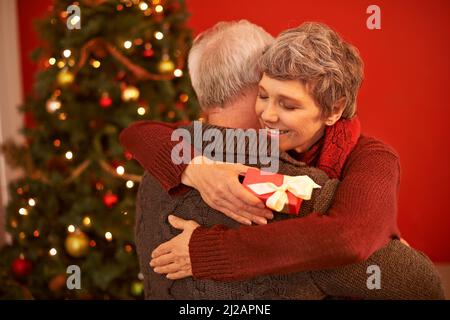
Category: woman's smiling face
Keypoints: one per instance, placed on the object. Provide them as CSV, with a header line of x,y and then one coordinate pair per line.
x,y
286,105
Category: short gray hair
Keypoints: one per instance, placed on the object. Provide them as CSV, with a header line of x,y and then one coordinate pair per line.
x,y
318,57
223,61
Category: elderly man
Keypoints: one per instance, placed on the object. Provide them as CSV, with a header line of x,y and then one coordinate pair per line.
x,y
224,72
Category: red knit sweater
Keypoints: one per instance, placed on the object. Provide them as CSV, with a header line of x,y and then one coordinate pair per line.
x,y
361,220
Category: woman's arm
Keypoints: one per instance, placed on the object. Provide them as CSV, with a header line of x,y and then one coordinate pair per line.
x,y
361,220
150,144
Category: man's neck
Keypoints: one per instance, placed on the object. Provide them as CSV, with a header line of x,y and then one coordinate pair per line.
x,y
238,114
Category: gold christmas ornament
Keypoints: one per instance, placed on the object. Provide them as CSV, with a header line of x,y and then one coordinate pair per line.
x,y
137,288
130,93
166,65
77,244
65,77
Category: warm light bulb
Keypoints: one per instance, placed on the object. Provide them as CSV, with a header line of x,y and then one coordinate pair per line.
x,y
31,202
143,6
71,228
52,61
159,35
87,221
74,20
14,224
96,64
69,155
184,97
67,53
108,236
127,44
53,252
23,211
130,184
159,8
141,111
120,170
53,105
177,73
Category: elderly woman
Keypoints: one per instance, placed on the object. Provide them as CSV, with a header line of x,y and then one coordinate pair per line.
x,y
307,99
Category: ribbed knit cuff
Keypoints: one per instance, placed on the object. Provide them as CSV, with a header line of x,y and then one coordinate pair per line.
x,y
209,259
169,174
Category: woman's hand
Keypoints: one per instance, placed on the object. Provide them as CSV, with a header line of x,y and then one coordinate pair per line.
x,y
172,257
219,186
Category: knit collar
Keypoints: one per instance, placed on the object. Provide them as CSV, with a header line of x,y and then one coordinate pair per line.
x,y
332,150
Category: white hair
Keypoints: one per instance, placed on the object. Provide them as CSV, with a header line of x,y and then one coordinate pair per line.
x,y
223,61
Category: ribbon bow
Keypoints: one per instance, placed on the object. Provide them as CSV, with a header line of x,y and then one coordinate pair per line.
x,y
300,186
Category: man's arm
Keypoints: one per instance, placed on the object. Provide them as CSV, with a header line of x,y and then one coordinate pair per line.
x,y
405,274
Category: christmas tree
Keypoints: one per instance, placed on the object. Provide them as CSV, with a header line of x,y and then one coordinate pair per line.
x,y
104,64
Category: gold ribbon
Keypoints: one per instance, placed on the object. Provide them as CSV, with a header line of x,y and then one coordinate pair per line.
x,y
300,186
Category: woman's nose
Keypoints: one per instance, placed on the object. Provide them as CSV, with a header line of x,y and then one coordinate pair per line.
x,y
270,113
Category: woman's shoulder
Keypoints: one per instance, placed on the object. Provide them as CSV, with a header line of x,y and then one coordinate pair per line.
x,y
370,145
370,152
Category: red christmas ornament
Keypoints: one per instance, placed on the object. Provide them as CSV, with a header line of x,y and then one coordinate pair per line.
x,y
110,199
128,155
148,51
105,100
21,267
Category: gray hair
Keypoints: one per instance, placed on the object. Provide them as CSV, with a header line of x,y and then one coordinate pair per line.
x,y
318,57
223,61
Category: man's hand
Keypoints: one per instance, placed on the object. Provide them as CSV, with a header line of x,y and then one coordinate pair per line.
x,y
219,186
172,257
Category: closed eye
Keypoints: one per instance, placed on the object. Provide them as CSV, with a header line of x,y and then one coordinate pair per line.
x,y
287,106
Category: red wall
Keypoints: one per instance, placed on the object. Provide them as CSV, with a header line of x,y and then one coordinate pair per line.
x,y
403,98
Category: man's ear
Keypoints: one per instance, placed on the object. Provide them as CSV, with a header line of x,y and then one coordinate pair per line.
x,y
336,112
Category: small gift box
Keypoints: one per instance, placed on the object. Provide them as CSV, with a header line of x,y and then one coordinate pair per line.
x,y
279,192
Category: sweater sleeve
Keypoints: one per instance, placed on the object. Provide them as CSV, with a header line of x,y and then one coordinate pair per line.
x,y
150,144
405,274
361,220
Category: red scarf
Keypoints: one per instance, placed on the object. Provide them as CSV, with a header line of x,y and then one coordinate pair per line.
x,y
331,151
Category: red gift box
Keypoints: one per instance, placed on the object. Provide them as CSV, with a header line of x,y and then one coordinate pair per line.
x,y
254,176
